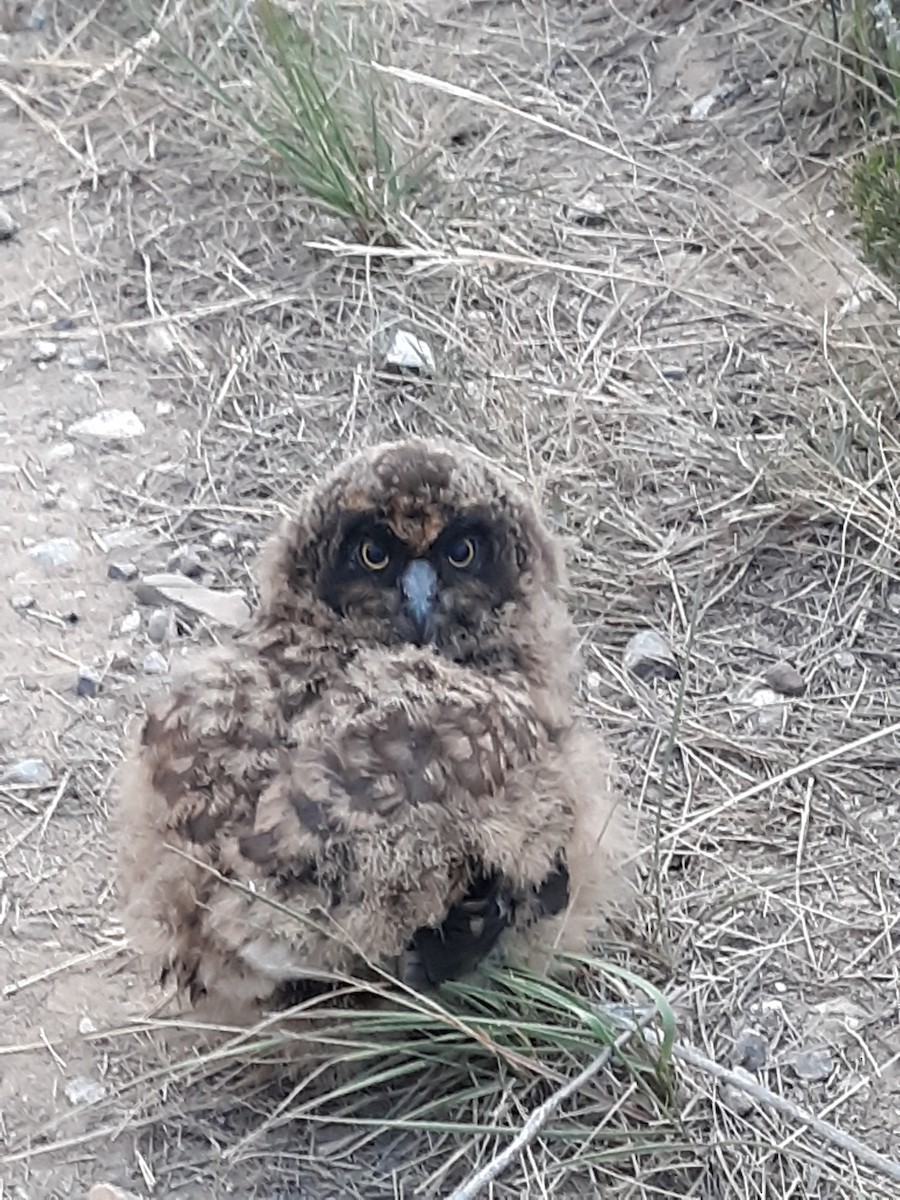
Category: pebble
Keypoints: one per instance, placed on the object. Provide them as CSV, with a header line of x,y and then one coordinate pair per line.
x,y
62,325
187,563
845,660
82,1090
8,226
83,360
406,352
43,351
108,425
56,552
24,602
160,342
86,1026
109,1191
122,571
39,309
155,663
812,1065
161,626
130,623
594,681
87,684
750,1051
770,713
649,656
736,1098
59,453
29,771
785,678
221,541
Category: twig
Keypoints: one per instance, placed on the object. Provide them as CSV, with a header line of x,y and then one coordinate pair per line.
x,y
787,1108
537,1120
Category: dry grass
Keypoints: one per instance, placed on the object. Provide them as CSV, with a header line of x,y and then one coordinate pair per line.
x,y
661,325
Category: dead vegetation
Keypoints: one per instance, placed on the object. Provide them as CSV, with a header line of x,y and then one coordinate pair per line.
x,y
630,262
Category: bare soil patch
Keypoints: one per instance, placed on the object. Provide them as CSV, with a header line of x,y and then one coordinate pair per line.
x,y
644,302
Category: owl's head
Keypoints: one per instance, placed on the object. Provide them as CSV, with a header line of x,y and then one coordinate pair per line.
x,y
420,542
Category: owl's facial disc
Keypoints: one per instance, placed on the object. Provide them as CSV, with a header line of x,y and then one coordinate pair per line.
x,y
431,585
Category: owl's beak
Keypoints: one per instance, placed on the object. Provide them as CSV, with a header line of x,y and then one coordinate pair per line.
x,y
419,589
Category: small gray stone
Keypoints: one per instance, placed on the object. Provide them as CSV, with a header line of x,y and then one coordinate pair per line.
x,y
186,563
736,1098
844,660
24,602
83,360
155,663
649,656
124,572
32,771
108,425
221,541
43,351
8,227
39,309
56,552
750,1051
161,626
87,684
814,1065
783,677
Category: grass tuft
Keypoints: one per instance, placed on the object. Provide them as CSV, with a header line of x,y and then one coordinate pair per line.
x,y
326,122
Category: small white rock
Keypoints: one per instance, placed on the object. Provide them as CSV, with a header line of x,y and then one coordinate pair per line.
x,y
164,408
160,342
108,425
594,681
82,1090
771,713
130,623
406,352
32,771
845,660
39,309
24,602
8,226
56,552
86,1026
43,351
155,663
59,453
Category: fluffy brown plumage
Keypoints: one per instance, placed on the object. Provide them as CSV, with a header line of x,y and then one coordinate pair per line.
x,y
387,749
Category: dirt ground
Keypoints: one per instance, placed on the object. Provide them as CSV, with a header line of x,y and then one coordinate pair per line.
x,y
639,288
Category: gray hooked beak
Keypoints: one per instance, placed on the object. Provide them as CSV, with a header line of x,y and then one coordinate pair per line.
x,y
419,588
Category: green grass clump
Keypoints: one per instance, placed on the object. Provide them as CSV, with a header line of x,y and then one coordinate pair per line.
x,y
867,34
327,122
875,190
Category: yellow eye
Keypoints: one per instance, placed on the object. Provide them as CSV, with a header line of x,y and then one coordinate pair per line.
x,y
462,554
373,556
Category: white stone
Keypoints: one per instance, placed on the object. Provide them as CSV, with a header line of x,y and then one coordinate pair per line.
x,y
108,425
